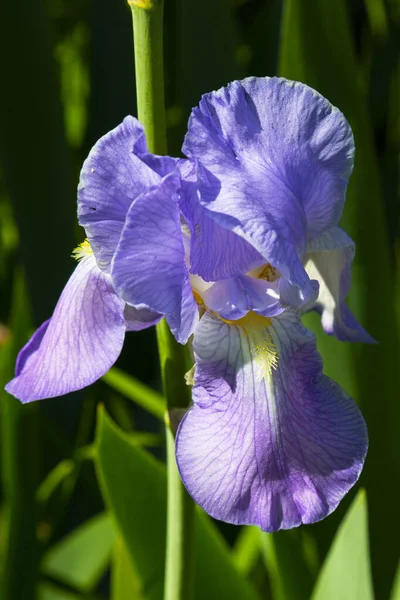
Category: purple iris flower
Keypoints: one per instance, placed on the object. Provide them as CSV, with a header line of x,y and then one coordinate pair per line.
x,y
269,440
231,245
123,192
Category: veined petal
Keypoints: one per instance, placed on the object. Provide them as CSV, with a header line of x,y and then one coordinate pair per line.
x,y
80,342
117,170
149,265
269,441
275,158
234,298
215,253
328,260
138,318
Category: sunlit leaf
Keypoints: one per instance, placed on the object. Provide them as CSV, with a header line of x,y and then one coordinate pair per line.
x,y
124,580
134,486
395,595
286,561
81,558
246,549
47,591
346,572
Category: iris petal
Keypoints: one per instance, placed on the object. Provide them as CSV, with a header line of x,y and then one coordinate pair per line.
x,y
149,265
234,298
274,161
138,318
269,440
117,170
80,342
329,259
215,253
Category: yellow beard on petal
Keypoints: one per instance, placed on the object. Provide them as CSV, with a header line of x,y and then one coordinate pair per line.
x,y
82,251
262,347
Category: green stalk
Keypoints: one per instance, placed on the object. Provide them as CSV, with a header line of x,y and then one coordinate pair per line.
x,y
148,40
147,18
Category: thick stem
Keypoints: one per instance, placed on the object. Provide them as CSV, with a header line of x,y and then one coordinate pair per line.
x,y
148,39
147,26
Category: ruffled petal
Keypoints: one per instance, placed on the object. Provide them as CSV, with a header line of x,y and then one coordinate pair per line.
x,y
275,158
149,265
215,253
117,170
138,318
328,260
269,441
80,342
234,298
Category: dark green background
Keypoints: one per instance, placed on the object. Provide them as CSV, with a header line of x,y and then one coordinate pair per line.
x,y
66,78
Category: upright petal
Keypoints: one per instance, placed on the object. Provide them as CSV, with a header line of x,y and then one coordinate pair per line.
x,y
215,253
269,441
81,341
328,260
149,266
275,157
114,174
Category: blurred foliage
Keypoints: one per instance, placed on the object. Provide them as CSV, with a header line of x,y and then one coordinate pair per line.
x,y
67,77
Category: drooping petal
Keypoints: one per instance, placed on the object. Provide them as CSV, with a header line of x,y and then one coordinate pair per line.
x,y
113,175
149,266
234,298
138,318
269,441
328,260
215,253
80,342
275,158
295,297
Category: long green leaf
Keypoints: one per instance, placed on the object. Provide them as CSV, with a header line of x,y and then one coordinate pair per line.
x,y
134,486
81,558
326,60
395,595
246,550
136,391
346,572
286,561
125,582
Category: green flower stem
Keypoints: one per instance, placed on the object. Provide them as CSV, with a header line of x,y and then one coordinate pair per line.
x,y
147,18
148,38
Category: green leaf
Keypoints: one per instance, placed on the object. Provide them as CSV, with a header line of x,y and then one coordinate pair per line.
x,y
287,564
65,468
134,487
48,591
81,558
125,581
246,549
395,595
136,391
346,572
